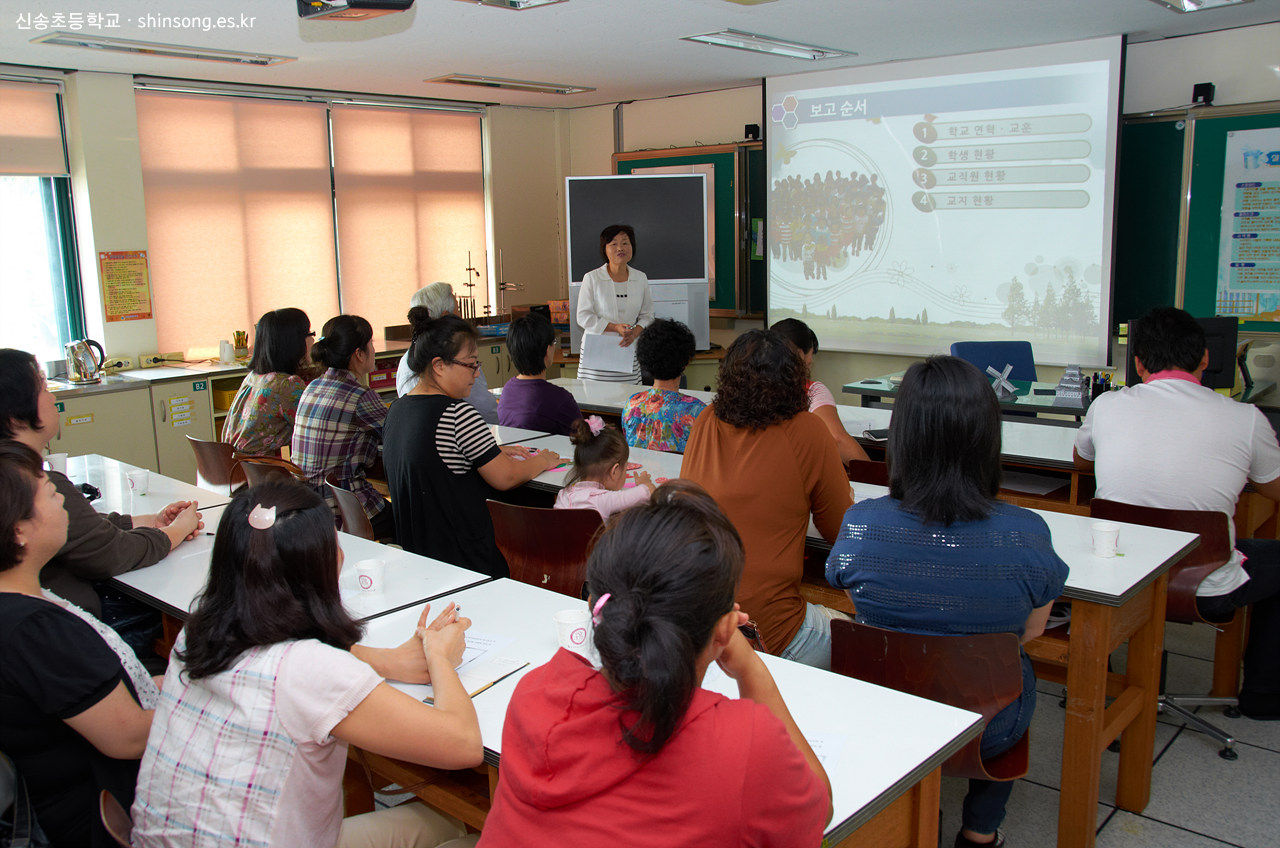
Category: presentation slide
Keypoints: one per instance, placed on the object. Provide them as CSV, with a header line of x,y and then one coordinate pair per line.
x,y
915,204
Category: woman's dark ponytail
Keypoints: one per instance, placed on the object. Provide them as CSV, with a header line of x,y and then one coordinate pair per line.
x,y
670,568
341,337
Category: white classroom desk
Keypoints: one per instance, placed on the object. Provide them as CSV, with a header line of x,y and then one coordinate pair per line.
x,y
1114,601
658,463
512,435
109,476
172,584
877,743
1047,444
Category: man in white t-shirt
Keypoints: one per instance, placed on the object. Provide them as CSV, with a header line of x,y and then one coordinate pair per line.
x,y
1171,443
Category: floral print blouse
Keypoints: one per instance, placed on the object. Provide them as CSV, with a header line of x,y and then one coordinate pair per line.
x,y
260,420
659,419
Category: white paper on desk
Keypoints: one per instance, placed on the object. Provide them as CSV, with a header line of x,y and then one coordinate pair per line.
x,y
827,747
480,675
605,354
480,646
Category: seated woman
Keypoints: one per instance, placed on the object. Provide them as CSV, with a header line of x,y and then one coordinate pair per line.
x,y
770,464
442,462
588,756
438,300
528,400
339,423
76,703
660,418
97,546
941,555
599,472
262,697
260,420
821,402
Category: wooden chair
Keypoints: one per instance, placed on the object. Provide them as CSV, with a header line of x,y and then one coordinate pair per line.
x,y
350,510
869,471
115,819
546,547
1185,577
261,469
980,672
216,465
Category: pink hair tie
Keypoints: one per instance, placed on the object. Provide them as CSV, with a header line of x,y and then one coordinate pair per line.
x,y
595,611
596,423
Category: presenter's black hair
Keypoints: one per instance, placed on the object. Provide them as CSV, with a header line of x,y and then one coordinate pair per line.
x,y
610,232
665,349
944,442
670,567
19,391
280,341
437,338
594,455
269,585
341,337
20,474
798,333
1168,338
762,382
527,341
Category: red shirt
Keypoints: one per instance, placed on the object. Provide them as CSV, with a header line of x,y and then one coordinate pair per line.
x,y
729,775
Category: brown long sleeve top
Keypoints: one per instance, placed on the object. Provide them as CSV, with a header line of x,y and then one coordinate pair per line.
x,y
768,483
98,547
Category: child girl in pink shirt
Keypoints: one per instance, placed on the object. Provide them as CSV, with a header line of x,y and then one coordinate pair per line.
x,y
600,471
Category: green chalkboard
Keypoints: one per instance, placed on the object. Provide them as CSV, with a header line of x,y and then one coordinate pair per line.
x,y
1150,204
1149,190
1204,222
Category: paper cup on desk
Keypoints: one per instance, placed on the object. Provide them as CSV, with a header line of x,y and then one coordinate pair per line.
x,y
57,462
226,353
139,480
1106,538
371,575
573,629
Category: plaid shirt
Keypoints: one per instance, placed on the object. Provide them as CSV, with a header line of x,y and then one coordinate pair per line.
x,y
246,757
338,428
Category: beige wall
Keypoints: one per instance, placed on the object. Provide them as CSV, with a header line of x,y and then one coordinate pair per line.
x,y
106,177
527,161
1241,63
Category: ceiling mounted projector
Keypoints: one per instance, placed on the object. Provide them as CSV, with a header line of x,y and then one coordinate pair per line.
x,y
350,10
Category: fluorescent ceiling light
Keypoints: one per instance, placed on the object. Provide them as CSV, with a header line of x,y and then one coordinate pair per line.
x,y
518,5
512,84
150,48
1198,5
764,44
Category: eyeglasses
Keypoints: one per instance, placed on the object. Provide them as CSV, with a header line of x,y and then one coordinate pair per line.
x,y
474,366
311,335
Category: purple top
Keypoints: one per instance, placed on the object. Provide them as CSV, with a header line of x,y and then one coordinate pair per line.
x,y
537,405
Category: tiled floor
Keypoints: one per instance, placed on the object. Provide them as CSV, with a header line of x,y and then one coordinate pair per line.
x,y
1198,800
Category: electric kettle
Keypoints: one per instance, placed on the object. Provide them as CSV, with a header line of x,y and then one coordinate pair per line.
x,y
82,365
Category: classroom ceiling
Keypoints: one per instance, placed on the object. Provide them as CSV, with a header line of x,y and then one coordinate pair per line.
x,y
625,49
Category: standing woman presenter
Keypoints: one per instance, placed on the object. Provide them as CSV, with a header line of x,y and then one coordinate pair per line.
x,y
614,300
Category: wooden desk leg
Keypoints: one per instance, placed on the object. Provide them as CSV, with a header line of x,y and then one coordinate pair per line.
x,y
1082,732
1142,670
910,821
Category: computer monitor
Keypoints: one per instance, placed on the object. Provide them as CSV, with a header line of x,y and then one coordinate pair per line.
x,y
1220,337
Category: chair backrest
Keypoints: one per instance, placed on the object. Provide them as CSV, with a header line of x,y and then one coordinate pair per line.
x,y
998,355
979,672
216,465
546,547
1188,573
869,471
115,819
350,510
260,469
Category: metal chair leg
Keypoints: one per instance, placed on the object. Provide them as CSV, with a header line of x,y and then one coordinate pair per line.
x,y
1178,705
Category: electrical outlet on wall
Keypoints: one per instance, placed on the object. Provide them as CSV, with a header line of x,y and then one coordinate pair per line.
x,y
150,360
117,363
